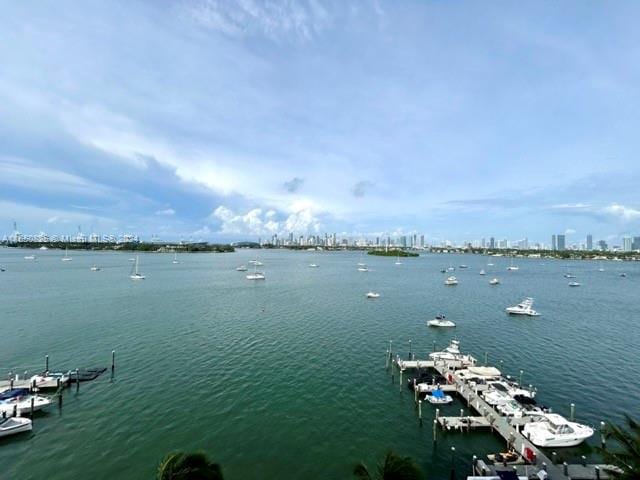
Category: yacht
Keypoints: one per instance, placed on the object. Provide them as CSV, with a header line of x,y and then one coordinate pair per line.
x,y
494,281
135,274
373,295
556,431
574,284
242,268
511,409
14,425
482,272
451,281
525,307
511,388
496,397
440,321
452,353
66,257
438,397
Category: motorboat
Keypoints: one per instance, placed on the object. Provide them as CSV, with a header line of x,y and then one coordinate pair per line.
x,y
506,458
373,295
135,274
22,405
556,431
450,269
462,266
438,397
95,268
48,380
29,257
363,268
256,262
398,262
313,265
496,397
451,281
574,284
13,392
511,409
494,281
255,276
623,274
14,425
482,272
452,353
489,264
568,275
443,271
525,307
440,321
430,377
242,268
43,248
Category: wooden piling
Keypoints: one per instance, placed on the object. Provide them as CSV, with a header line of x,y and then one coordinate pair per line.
x,y
603,436
420,411
113,361
77,381
32,407
46,363
573,411
435,427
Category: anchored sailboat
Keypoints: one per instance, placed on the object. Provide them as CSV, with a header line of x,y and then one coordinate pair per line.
x,y
135,274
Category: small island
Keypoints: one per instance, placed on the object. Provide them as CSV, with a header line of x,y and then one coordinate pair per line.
x,y
392,253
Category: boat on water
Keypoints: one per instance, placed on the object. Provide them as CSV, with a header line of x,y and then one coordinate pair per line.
x,y
623,275
482,272
569,275
574,284
525,307
14,425
313,265
66,257
256,262
451,281
43,248
48,380
438,397
242,268
29,257
175,258
554,430
494,281
452,353
373,295
463,266
443,271
22,404
95,268
440,321
489,264
398,262
256,275
506,458
363,268
512,267
600,268
135,274
450,269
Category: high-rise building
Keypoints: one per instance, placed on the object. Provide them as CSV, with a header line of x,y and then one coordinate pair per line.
x,y
554,242
626,244
602,245
492,243
589,242
561,242
421,241
635,245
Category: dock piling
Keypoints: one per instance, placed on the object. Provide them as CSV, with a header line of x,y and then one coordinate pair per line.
x,y
521,373
400,383
565,468
113,362
554,457
32,407
46,363
584,461
77,381
603,437
573,411
435,428
597,469
410,351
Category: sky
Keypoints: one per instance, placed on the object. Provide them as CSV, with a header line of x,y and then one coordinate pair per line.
x,y
226,120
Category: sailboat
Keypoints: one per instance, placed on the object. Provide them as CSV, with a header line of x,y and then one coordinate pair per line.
x,y
175,258
256,275
512,266
482,272
398,262
135,274
600,269
66,257
95,268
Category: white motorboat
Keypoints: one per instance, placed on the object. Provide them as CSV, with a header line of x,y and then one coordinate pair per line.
x,y
29,257
313,265
175,258
23,404
525,307
363,268
242,268
511,409
623,275
569,275
440,321
95,268
256,262
43,248
556,431
47,380
66,257
438,397
373,295
463,266
14,425
452,353
496,397
135,274
574,284
451,281
450,269
489,264
494,281
511,388
482,272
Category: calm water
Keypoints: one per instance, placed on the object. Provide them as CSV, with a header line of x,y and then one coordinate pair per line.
x,y
285,378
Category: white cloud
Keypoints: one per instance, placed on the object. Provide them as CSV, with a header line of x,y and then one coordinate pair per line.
x,y
258,222
569,231
622,212
166,212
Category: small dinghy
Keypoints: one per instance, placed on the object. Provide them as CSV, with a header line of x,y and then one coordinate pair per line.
x,y
14,425
438,397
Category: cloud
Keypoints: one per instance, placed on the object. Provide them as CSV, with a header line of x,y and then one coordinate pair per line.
x,y
361,188
166,212
621,212
293,185
259,222
613,211
569,231
53,219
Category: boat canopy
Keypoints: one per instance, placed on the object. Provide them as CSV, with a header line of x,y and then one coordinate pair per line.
x,y
438,394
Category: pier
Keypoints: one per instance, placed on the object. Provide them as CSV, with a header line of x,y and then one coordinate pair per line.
x,y
535,461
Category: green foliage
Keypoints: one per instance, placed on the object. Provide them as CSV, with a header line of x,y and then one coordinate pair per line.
x,y
188,466
626,455
394,467
392,253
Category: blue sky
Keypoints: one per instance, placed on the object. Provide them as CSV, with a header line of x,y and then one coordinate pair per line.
x,y
215,120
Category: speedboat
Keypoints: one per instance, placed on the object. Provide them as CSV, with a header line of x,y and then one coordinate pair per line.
x,y
556,431
506,458
313,265
462,266
496,397
373,295
511,388
438,397
241,268
48,380
22,404
256,276
568,275
13,392
489,264
363,268
525,307
482,272
443,271
450,269
95,269
511,409
574,284
14,425
452,353
494,281
256,262
43,248
440,321
451,281
29,257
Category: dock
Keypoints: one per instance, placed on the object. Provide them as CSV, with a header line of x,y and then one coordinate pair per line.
x,y
507,427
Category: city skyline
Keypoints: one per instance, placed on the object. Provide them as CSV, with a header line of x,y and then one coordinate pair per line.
x,y
249,119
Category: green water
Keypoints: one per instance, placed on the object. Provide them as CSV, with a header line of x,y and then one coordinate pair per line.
x,y
285,378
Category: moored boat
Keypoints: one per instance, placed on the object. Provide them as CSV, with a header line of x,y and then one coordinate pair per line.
x,y
556,431
14,425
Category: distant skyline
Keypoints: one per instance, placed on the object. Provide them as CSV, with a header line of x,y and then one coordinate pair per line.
x,y
231,120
